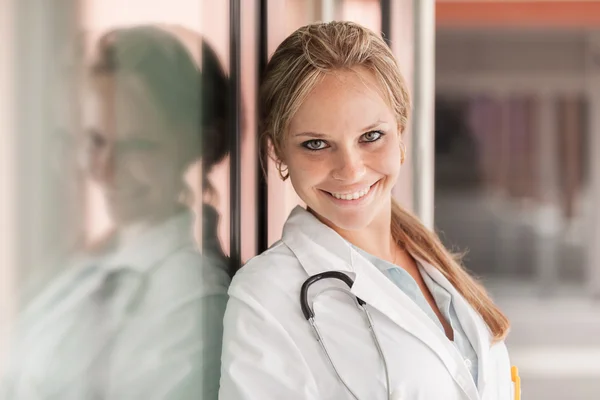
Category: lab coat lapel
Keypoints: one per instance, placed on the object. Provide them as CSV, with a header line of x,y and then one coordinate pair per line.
x,y
319,249
133,261
474,326
79,315
381,293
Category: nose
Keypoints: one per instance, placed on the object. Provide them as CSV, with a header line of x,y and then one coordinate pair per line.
x,y
101,164
107,165
349,165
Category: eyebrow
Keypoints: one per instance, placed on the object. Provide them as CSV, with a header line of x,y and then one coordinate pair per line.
x,y
374,125
322,135
310,134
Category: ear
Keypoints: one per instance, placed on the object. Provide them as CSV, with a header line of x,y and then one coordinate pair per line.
x,y
276,155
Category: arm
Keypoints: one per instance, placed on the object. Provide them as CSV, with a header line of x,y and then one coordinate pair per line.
x,y
504,382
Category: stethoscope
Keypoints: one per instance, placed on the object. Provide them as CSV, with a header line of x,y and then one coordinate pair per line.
x,y
309,314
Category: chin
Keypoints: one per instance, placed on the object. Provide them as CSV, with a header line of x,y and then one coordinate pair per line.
x,y
123,215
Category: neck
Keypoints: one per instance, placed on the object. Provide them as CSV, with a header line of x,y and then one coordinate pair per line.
x,y
129,231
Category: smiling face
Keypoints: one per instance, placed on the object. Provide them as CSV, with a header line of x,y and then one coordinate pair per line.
x,y
131,151
343,151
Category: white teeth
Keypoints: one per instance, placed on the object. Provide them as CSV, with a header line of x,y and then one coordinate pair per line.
x,y
351,196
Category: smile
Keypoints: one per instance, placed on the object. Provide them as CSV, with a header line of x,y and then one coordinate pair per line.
x,y
352,196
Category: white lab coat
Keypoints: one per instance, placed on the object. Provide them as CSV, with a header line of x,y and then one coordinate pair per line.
x,y
155,335
270,351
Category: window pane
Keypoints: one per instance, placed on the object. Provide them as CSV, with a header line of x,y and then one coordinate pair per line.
x,y
121,263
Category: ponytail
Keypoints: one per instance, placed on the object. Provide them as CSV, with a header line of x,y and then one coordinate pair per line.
x,y
416,239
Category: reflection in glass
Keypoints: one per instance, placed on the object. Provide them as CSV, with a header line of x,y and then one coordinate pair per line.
x,y
138,313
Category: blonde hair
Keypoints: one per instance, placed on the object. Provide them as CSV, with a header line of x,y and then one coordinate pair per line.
x,y
297,66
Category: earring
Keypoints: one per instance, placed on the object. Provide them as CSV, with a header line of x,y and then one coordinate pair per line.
x,y
403,151
283,172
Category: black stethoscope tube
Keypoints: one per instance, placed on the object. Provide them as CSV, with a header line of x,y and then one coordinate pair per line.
x,y
306,310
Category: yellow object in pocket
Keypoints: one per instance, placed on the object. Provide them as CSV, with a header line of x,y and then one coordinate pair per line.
x,y
514,374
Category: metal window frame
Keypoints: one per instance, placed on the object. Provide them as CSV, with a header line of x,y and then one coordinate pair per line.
x,y
234,135
386,20
262,189
423,111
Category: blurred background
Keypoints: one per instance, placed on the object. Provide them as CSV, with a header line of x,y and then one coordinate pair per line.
x,y
501,161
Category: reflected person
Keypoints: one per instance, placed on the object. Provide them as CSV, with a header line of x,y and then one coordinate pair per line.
x,y
139,316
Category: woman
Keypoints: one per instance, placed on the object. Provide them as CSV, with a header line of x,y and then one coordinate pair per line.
x,y
334,108
140,316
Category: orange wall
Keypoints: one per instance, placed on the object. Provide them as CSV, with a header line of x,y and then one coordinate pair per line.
x,y
557,14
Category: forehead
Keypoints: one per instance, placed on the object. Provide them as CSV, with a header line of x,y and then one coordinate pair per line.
x,y
120,105
342,100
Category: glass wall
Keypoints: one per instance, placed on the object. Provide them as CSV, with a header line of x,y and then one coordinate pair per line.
x,y
131,185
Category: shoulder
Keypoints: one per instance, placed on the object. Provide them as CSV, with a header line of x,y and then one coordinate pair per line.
x,y
186,272
273,277
276,262
499,352
271,261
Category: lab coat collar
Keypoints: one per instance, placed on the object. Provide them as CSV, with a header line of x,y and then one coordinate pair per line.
x,y
151,247
303,228
72,296
319,249
138,257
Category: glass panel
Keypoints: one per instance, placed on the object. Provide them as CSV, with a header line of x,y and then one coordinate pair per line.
x,y
123,191
116,188
215,171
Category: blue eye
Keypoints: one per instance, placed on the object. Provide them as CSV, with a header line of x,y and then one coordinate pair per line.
x,y
315,144
372,136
